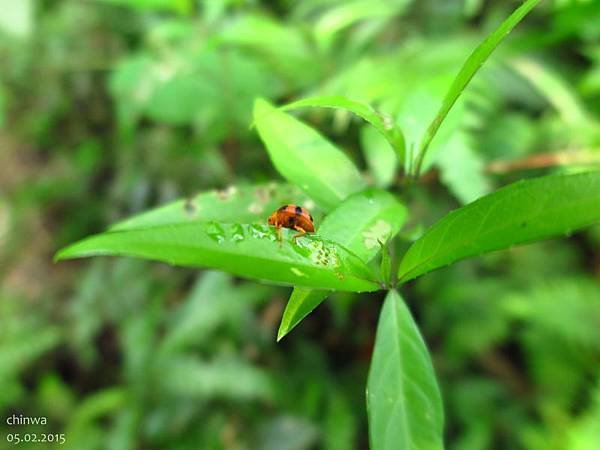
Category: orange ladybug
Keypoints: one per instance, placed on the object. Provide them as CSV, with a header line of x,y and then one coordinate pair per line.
x,y
294,217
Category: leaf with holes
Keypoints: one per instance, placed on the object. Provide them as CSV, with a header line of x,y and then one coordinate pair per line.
x,y
360,224
247,250
244,204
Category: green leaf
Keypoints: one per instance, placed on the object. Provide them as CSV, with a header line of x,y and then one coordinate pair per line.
x,y
522,212
221,378
462,169
247,250
359,224
243,204
180,99
568,308
468,70
305,158
555,89
380,157
404,403
346,14
363,220
385,125
301,303
215,301
181,6
284,49
17,19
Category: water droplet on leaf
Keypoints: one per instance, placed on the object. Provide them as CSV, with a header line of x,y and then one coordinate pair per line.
x,y
215,231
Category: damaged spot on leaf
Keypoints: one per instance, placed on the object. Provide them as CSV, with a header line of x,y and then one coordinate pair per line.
x,y
227,193
380,231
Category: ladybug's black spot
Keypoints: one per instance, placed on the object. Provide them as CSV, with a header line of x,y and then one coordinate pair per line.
x,y
291,221
298,210
283,208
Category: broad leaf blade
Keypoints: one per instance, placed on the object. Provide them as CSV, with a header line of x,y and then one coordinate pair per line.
x,y
243,204
364,220
359,224
522,212
305,158
404,404
246,250
382,124
468,71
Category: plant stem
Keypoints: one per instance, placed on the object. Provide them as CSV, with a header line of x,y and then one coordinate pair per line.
x,y
468,70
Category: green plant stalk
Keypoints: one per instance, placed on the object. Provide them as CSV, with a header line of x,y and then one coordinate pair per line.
x,y
467,72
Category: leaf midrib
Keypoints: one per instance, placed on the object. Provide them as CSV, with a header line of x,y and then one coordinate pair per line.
x,y
261,259
491,230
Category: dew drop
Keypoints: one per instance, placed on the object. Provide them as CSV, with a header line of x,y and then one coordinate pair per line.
x,y
260,232
215,232
237,233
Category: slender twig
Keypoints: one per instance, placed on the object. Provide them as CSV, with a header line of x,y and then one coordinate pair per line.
x,y
541,160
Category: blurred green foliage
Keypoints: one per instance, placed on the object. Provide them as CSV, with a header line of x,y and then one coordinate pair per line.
x,y
111,107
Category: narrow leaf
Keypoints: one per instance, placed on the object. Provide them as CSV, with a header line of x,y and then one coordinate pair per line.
x,y
468,70
301,303
243,204
404,403
246,250
305,158
522,212
383,124
359,224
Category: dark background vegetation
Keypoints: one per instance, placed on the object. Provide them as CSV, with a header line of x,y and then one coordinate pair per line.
x,y
111,107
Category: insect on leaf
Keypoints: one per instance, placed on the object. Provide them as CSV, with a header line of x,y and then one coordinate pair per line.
x,y
243,204
360,224
247,250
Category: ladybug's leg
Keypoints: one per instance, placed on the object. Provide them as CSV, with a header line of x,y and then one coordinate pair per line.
x,y
301,232
279,232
